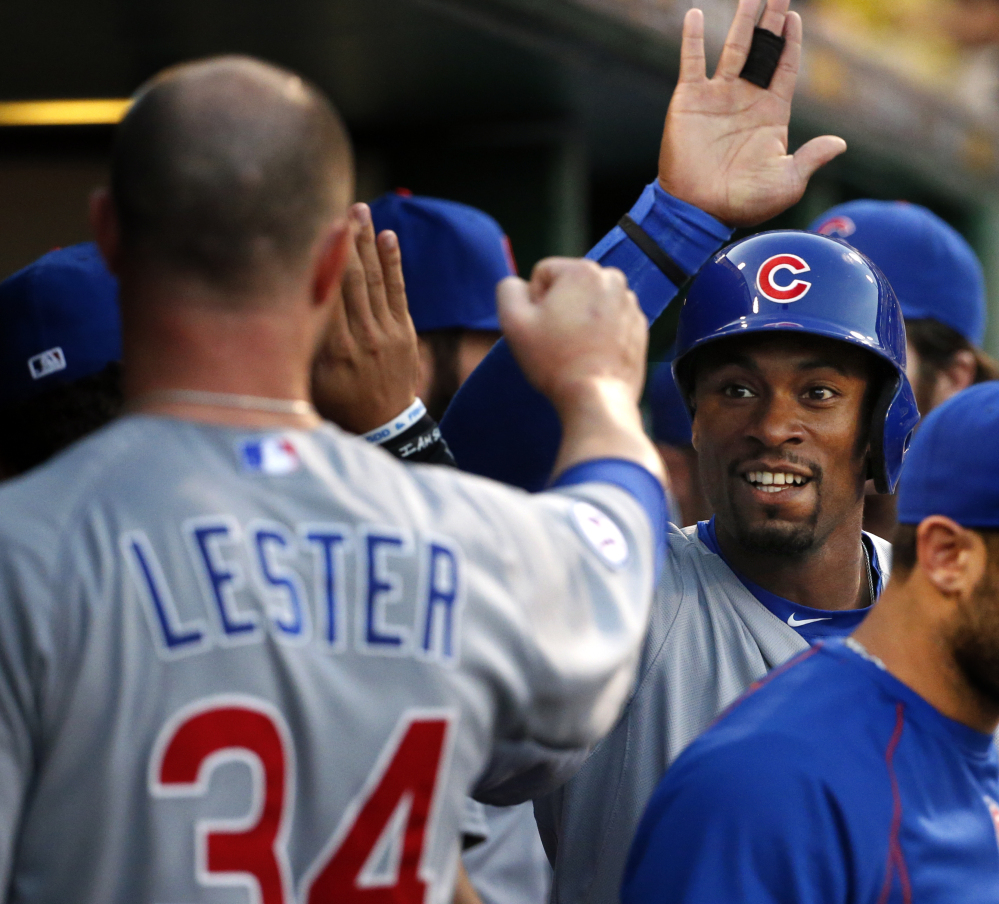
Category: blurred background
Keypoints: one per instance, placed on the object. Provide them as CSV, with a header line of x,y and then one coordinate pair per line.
x,y
545,113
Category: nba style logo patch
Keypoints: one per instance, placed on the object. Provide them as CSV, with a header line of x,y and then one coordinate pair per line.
x,y
994,813
601,533
772,278
273,455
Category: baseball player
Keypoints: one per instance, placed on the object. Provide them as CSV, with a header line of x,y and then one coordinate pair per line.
x,y
59,351
245,656
865,770
939,283
791,356
453,256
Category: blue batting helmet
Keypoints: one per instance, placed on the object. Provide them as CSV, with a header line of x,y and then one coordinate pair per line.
x,y
805,283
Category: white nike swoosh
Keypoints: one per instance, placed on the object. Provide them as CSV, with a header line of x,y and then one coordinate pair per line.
x,y
795,623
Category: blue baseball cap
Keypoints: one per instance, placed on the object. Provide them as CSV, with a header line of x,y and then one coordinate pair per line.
x,y
670,418
953,461
60,322
933,270
452,258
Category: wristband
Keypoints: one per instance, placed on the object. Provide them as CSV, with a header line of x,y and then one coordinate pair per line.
x,y
667,266
764,55
397,425
421,443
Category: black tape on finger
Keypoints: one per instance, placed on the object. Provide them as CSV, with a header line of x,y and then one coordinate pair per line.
x,y
764,55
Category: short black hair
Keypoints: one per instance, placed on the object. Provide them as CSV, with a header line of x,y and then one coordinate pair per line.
x,y
228,166
35,429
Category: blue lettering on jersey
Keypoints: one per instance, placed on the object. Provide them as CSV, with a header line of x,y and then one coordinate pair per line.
x,y
279,583
383,588
175,637
329,542
443,575
205,536
405,594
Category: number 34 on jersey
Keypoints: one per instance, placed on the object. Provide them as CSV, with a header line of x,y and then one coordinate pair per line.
x,y
388,821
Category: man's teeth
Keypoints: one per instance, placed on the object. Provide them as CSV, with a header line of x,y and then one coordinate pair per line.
x,y
774,481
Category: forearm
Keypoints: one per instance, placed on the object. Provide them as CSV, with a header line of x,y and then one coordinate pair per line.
x,y
501,427
605,424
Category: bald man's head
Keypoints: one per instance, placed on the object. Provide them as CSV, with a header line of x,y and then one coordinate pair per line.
x,y
226,170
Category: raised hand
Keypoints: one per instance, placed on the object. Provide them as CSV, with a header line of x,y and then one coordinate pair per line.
x,y
724,146
367,369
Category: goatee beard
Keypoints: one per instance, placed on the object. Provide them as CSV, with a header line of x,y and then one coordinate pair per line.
x,y
773,537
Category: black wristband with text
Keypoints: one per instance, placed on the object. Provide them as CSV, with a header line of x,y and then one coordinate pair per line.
x,y
421,443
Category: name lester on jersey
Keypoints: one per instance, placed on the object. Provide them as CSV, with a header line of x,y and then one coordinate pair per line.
x,y
378,590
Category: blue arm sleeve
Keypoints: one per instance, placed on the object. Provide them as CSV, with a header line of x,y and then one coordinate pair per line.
x,y
498,425
748,824
632,478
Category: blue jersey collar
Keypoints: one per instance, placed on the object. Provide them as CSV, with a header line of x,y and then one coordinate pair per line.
x,y
811,624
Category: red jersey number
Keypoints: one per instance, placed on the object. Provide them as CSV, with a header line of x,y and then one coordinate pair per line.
x,y
399,795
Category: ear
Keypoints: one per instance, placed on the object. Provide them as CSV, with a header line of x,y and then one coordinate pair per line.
x,y
957,375
331,261
952,558
104,226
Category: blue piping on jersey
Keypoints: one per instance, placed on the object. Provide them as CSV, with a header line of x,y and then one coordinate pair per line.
x,y
818,623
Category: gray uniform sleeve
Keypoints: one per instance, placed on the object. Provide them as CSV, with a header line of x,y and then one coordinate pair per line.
x,y
21,674
560,585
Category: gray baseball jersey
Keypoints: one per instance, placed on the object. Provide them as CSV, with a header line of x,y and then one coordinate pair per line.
x,y
709,639
267,667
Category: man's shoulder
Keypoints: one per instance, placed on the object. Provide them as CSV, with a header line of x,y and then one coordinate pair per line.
x,y
800,720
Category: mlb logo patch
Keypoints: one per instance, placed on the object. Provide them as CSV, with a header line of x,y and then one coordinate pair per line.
x,y
47,362
273,455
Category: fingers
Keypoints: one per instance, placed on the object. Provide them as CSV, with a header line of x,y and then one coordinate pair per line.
x,y
787,69
815,153
354,290
692,67
774,15
368,252
740,36
551,268
395,284
514,306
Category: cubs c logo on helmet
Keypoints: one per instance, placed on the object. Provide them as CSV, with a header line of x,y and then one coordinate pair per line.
x,y
841,226
770,288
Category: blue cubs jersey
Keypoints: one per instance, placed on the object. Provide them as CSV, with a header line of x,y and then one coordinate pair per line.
x,y
829,782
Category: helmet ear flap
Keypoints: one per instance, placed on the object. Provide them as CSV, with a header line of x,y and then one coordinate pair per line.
x,y
894,420
877,466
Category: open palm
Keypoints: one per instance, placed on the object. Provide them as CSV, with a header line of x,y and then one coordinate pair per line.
x,y
724,146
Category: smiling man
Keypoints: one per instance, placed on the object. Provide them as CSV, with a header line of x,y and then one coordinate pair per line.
x,y
791,356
